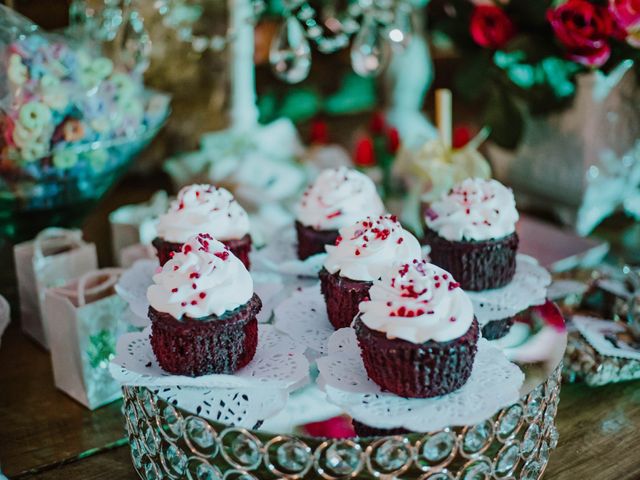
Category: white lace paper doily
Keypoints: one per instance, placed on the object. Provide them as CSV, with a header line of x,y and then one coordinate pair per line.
x,y
303,317
494,384
134,282
279,363
527,288
280,255
304,406
234,407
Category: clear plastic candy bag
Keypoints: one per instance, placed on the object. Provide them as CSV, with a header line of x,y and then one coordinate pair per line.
x,y
70,119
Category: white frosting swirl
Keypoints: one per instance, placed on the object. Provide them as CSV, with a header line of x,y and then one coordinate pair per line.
x,y
339,197
365,250
475,209
418,302
203,279
203,209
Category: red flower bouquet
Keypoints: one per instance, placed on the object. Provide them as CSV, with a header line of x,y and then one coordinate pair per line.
x,y
522,55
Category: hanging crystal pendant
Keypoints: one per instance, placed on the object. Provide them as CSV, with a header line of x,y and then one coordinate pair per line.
x,y
370,51
135,47
290,54
400,31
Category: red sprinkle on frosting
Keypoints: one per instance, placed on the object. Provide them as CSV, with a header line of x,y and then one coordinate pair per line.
x,y
222,255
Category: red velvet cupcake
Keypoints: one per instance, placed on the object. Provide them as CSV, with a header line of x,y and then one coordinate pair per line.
x,y
417,334
472,234
339,197
203,311
361,254
204,209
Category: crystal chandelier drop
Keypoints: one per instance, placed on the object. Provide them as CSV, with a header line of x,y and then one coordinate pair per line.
x,y
377,27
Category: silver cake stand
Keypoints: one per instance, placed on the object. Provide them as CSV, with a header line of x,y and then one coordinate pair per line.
x,y
170,443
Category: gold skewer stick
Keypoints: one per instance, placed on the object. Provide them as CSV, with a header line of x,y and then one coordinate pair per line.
x,y
443,115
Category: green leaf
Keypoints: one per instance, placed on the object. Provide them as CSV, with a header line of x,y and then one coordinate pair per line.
x,y
472,79
356,94
267,105
300,104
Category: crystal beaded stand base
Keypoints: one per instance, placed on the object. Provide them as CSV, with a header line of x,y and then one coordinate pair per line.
x,y
167,442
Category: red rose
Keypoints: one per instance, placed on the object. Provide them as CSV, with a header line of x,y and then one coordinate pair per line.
x,y
364,153
461,136
393,140
626,13
490,27
627,17
584,30
378,123
319,132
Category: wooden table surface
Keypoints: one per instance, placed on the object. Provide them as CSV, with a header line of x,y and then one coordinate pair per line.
x,y
44,434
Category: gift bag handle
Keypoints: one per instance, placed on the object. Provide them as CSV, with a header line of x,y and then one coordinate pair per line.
x,y
81,291
65,236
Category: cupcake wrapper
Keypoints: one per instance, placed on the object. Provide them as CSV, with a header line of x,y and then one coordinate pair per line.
x,y
475,265
363,430
239,247
413,370
342,297
205,346
497,328
311,241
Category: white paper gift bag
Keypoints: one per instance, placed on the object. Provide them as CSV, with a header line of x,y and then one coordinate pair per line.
x,y
52,259
131,254
136,224
5,315
84,320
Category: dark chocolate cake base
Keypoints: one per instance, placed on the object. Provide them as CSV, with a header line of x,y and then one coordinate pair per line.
x,y
497,328
476,265
342,297
213,344
239,247
363,430
311,241
414,370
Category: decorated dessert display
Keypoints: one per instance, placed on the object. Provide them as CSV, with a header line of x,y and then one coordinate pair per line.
x,y
203,310
204,209
307,296
471,231
337,198
417,333
361,254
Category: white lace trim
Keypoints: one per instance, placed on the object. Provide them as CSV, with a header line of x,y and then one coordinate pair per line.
x,y
494,384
